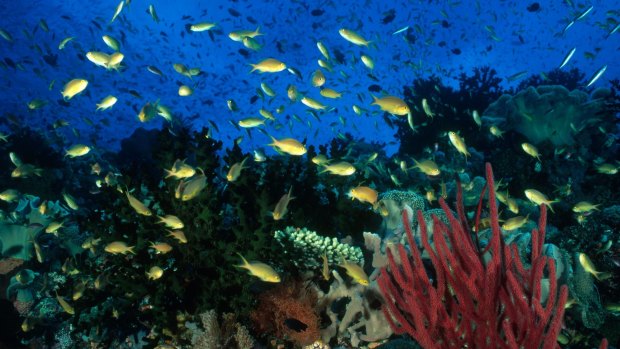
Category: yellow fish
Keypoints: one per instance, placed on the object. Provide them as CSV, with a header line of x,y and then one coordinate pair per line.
x,y
240,34
428,167
314,104
170,221
180,170
364,194
185,91
269,65
356,272
531,150
251,122
458,143
65,306
288,145
137,205
353,37
111,42
260,270
282,206
73,87
318,79
330,93
106,103
200,27
584,206
193,187
235,170
392,105
154,273
588,266
427,108
179,235
117,247
161,247
539,198
341,168
514,223
77,150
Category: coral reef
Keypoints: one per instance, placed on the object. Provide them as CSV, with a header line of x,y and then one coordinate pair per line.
x,y
545,113
288,312
305,248
214,334
476,296
354,312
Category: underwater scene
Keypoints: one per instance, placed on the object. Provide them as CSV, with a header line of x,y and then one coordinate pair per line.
x,y
309,174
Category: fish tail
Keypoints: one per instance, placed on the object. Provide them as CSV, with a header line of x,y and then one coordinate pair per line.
x,y
130,250
243,260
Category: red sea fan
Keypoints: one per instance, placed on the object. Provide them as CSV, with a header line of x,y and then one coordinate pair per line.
x,y
473,303
285,306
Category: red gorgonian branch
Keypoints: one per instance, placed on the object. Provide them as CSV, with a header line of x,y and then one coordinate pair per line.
x,y
480,298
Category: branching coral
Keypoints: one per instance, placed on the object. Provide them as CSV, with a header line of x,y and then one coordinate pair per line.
x,y
473,303
225,334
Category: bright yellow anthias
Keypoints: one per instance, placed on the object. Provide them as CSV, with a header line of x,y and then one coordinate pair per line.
x,y
260,270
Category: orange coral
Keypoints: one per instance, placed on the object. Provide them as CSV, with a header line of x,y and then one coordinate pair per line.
x,y
292,300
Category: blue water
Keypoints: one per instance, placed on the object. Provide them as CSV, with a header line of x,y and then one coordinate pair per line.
x,y
524,41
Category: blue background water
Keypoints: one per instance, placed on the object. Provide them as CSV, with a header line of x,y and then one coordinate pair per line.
x,y
528,41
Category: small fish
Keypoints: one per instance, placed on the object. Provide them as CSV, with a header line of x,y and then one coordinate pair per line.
x,y
356,272
260,270
235,170
588,266
567,58
170,221
584,13
281,208
364,194
193,187
200,27
151,11
77,150
458,143
341,168
161,247
70,201
517,76
514,223
401,30
596,76
289,146
539,198
65,305
73,87
117,247
531,150
584,206
353,37
269,65
137,205
154,273
64,42
118,10
179,235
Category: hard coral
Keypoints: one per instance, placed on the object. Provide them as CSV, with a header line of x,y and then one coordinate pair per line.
x,y
286,303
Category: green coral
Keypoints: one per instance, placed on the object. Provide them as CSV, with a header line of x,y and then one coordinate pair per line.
x,y
305,247
583,290
545,113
